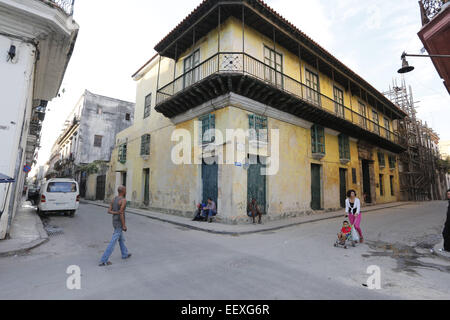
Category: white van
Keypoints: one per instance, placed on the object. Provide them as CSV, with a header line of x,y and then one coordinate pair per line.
x,y
59,195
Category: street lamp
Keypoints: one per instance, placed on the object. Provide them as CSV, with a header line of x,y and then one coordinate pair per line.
x,y
407,68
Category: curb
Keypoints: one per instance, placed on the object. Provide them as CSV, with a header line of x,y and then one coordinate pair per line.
x,y
43,238
24,248
337,215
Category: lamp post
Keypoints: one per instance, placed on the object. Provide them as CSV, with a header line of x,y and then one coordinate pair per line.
x,y
407,68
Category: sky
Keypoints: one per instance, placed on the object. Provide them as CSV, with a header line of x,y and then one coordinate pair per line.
x,y
117,37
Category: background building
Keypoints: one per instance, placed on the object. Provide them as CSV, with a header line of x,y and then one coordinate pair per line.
x,y
37,38
88,138
422,174
444,148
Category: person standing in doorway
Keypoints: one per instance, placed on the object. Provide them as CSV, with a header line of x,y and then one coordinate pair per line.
x,y
117,210
353,209
446,233
253,211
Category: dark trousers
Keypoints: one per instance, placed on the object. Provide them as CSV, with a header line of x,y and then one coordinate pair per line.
x,y
446,235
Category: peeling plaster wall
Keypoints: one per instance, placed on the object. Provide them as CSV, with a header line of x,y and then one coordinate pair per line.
x,y
107,124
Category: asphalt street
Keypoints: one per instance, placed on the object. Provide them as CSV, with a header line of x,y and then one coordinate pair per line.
x,y
172,262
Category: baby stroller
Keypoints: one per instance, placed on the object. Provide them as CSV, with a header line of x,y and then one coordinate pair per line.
x,y
352,239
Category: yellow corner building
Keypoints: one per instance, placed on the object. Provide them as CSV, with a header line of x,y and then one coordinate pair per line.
x,y
240,65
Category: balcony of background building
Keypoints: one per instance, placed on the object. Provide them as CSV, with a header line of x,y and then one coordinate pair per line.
x,y
65,5
435,34
247,76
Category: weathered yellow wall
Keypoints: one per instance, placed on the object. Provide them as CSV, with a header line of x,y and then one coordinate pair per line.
x,y
386,172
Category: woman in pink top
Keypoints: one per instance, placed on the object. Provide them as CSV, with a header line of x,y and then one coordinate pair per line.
x,y
353,209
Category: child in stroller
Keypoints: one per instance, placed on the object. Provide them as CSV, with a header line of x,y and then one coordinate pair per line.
x,y
345,235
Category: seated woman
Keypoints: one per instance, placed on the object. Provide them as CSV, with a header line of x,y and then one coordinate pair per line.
x,y
198,214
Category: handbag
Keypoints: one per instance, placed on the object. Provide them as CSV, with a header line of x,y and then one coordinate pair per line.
x,y
355,234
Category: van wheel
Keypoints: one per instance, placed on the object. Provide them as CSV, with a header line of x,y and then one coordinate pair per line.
x,y
72,213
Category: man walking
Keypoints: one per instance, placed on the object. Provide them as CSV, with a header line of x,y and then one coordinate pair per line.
x,y
117,209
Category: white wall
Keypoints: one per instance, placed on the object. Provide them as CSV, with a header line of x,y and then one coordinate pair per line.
x,y
16,79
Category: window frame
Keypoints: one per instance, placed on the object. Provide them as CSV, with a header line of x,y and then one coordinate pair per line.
x,y
344,147
122,153
145,144
96,145
362,108
318,140
339,106
208,122
392,162
311,92
147,105
381,159
257,123
191,74
376,121
275,66
387,126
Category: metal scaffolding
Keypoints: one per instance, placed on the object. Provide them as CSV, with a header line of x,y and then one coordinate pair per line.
x,y
419,164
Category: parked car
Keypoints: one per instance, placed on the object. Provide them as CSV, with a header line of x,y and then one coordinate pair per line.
x,y
59,195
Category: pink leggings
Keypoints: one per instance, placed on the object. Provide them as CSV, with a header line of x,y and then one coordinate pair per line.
x,y
356,222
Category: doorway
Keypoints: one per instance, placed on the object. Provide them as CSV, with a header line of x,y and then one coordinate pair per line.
x,y
256,185
146,187
100,188
366,181
343,186
316,188
210,177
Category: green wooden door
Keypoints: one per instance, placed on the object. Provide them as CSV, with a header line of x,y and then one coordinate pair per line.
x,y
210,175
146,187
256,186
366,181
316,192
343,186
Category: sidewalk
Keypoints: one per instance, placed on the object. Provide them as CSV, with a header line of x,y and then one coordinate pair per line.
x,y
27,232
242,229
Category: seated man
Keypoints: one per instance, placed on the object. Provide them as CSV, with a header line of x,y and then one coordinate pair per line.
x,y
253,210
210,210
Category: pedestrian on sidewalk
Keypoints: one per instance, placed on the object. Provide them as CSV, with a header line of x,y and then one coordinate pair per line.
x,y
446,233
117,209
353,210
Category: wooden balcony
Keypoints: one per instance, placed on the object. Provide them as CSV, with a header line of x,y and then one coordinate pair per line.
x,y
65,5
245,75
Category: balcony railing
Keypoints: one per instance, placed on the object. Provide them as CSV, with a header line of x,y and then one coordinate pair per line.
x,y
64,5
242,63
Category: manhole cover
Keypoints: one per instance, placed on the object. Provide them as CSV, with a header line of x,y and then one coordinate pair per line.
x,y
53,231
